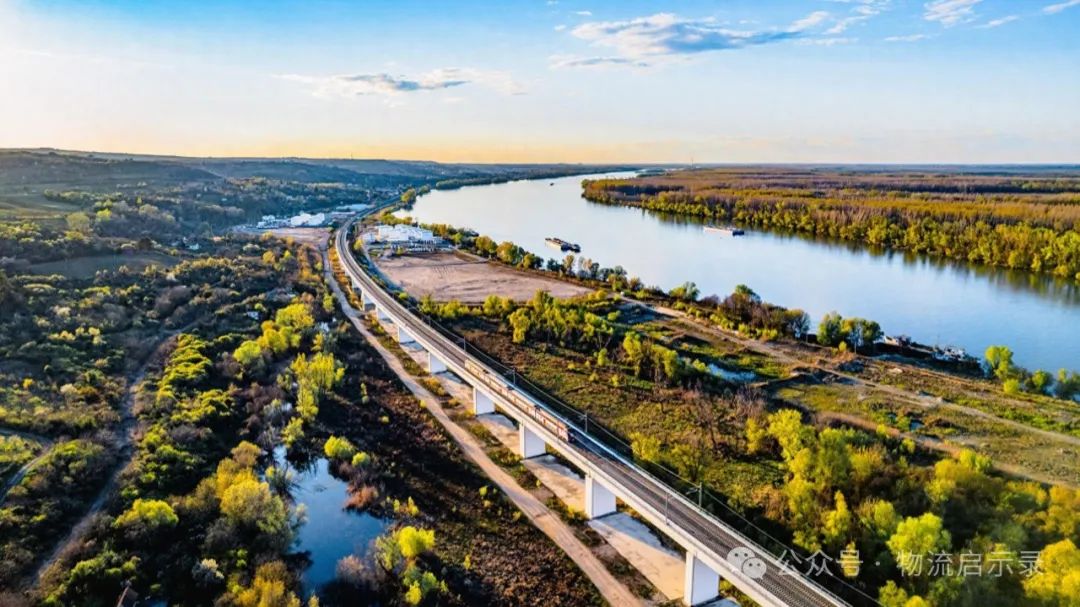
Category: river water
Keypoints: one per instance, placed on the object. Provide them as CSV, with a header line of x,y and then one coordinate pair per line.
x,y
933,301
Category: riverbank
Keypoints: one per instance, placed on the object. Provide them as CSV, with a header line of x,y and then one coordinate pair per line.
x,y
933,300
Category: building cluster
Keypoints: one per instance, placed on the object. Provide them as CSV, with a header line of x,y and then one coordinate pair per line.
x,y
410,238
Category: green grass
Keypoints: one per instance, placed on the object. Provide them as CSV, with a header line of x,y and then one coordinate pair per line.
x,y
86,267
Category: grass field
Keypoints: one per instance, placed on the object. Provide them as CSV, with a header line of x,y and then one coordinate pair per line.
x,y
86,267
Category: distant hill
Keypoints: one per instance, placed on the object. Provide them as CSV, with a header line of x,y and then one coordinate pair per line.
x,y
26,174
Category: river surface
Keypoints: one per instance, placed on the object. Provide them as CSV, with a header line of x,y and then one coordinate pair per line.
x,y
331,532
933,301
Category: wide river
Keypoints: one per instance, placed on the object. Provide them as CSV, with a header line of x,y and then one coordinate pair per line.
x,y
933,301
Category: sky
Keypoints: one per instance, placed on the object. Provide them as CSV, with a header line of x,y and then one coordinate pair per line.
x,y
939,81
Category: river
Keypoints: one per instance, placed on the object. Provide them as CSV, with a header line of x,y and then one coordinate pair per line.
x,y
933,301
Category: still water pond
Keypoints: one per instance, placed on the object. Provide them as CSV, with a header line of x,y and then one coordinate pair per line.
x,y
931,300
331,532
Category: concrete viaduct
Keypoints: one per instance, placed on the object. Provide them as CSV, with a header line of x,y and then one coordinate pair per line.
x,y
713,548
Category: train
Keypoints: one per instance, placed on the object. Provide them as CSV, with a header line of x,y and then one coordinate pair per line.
x,y
540,415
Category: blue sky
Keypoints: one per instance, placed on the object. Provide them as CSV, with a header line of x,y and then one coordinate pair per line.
x,y
573,80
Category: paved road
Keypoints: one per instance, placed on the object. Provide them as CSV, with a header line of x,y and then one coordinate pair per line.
x,y
613,591
778,589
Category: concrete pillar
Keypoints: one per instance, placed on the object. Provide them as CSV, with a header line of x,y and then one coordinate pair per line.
x,y
482,403
530,444
403,336
599,500
380,314
435,364
702,583
366,300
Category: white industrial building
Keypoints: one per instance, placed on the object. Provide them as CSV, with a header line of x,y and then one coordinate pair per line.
x,y
410,238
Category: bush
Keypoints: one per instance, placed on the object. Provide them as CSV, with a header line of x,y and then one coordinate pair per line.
x,y
337,448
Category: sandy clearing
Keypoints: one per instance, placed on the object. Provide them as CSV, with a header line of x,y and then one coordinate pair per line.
x,y
447,276
310,236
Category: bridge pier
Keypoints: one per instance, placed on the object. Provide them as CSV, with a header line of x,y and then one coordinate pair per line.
x,y
599,500
403,336
435,364
482,403
530,443
365,300
702,583
381,314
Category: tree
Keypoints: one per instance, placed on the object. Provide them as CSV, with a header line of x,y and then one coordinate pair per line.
x,y
918,537
787,428
1040,381
646,448
1057,583
247,354
687,291
339,449
830,330
78,222
146,516
635,351
270,588
837,523
999,360
520,322
1068,384
250,503
293,432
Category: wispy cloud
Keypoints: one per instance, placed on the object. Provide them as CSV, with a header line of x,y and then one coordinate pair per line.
x,y
575,61
826,41
356,85
907,38
584,13
864,10
999,22
664,35
1053,9
950,12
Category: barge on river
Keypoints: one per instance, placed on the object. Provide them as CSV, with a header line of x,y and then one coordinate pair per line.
x,y
726,230
563,245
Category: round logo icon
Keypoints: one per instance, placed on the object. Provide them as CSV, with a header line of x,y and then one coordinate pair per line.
x,y
743,559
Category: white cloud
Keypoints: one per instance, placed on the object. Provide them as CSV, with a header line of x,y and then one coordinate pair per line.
x,y
826,41
950,12
907,38
1053,9
999,22
560,27
575,61
386,85
584,13
665,34
863,10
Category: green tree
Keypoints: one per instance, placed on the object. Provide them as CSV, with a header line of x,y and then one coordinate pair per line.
x,y
830,330
1057,583
921,535
145,517
999,359
339,449
635,351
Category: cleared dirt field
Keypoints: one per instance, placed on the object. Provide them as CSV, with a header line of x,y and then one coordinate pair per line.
x,y
447,276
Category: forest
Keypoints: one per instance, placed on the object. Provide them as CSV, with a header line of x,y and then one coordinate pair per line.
x,y
1021,221
159,400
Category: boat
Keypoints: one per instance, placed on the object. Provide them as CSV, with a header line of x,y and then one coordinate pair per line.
x,y
726,230
562,245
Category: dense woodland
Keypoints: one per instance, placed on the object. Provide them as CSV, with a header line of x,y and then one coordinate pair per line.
x,y
1019,221
151,373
